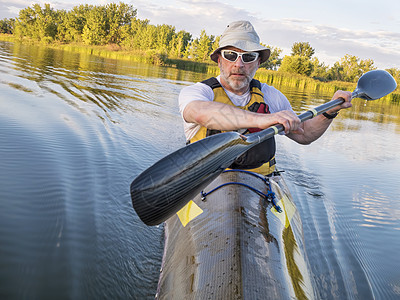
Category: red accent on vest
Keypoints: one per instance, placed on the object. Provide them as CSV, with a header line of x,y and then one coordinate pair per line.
x,y
262,108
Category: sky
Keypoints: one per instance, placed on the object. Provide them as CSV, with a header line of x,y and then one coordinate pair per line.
x,y
367,29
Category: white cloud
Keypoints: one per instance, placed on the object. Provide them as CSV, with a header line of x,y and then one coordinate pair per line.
x,y
192,16
331,42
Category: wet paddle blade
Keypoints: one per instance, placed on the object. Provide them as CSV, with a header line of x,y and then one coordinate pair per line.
x,y
374,85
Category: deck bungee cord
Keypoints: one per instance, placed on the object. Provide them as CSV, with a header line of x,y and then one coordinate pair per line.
x,y
269,196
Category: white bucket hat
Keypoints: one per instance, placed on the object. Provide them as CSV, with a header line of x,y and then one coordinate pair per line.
x,y
241,34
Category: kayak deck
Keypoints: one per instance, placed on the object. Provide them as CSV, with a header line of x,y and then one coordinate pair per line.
x,y
240,247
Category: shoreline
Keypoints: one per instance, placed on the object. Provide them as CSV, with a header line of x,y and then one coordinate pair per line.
x,y
156,58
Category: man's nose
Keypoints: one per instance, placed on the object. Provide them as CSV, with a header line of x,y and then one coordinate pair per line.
x,y
239,62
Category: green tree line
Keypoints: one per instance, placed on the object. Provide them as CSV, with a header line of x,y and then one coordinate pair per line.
x,y
118,25
97,25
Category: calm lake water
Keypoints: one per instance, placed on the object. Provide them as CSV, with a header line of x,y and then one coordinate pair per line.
x,y
76,129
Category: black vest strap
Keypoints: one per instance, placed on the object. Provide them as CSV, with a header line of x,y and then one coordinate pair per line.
x,y
212,82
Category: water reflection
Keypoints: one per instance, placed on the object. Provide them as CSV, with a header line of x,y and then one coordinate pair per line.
x,y
72,139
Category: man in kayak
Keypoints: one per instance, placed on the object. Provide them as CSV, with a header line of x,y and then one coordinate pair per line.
x,y
235,101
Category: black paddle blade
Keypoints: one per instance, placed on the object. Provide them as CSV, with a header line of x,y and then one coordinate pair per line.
x,y
374,85
165,187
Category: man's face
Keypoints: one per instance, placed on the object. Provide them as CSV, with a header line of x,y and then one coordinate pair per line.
x,y
236,76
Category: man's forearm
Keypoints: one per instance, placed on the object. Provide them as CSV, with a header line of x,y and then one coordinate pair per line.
x,y
219,116
313,130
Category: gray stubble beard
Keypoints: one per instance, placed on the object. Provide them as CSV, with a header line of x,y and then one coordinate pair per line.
x,y
238,85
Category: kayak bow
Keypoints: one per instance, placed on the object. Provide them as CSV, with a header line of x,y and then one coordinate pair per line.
x,y
240,247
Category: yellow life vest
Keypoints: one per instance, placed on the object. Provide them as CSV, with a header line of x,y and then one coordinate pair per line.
x,y
260,158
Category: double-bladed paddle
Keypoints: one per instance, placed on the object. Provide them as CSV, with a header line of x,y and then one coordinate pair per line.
x,y
165,187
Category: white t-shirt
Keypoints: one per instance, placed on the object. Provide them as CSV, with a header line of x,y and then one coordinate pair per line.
x,y
200,91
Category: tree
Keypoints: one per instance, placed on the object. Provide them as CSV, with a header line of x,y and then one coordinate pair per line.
x,y
164,36
37,23
296,64
302,49
319,70
204,46
336,72
394,72
108,24
300,60
95,29
133,34
350,68
273,61
148,37
191,51
46,20
215,44
25,22
7,26
396,75
72,23
179,44
118,18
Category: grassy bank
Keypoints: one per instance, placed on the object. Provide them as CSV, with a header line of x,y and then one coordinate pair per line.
x,y
156,58
108,51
